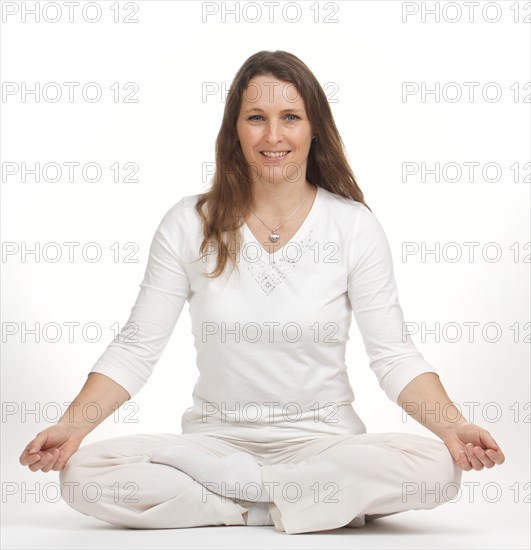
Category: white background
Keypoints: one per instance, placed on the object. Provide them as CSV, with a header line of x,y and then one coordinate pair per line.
x,y
362,61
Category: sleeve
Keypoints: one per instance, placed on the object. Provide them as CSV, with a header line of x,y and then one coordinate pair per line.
x,y
373,295
131,356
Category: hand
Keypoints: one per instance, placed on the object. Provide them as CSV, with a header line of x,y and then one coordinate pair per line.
x,y
51,449
473,447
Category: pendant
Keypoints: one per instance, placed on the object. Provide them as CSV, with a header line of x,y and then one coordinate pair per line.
x,y
274,237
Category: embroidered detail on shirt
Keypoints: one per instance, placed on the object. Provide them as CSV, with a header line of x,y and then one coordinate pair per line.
x,y
271,272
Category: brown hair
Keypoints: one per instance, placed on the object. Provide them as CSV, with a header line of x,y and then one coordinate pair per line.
x,y
229,196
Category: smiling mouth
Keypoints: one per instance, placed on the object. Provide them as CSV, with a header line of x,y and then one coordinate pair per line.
x,y
274,155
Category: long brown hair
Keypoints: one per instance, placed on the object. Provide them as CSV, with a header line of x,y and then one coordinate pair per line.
x,y
229,197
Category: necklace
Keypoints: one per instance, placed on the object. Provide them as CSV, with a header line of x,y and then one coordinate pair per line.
x,y
274,236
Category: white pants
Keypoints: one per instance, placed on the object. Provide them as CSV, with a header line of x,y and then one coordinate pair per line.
x,y
316,483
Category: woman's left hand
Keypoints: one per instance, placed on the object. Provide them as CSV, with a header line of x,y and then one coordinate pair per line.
x,y
472,447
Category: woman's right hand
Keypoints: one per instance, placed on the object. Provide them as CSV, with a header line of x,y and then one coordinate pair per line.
x,y
51,448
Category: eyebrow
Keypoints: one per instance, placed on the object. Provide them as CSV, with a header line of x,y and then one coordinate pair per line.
x,y
283,110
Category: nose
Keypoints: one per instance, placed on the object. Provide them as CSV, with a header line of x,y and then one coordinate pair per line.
x,y
272,132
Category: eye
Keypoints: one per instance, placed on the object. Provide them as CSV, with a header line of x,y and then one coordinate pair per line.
x,y
252,117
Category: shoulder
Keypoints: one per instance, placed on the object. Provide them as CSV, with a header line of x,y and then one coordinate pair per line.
x,y
183,210
184,204
351,214
180,218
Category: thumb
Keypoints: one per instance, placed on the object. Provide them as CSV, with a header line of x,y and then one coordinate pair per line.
x,y
38,443
488,440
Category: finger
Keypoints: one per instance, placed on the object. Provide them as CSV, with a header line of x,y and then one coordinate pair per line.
x,y
463,461
39,464
496,456
37,443
61,461
46,457
476,463
56,453
29,449
488,440
33,447
482,456
27,452
27,458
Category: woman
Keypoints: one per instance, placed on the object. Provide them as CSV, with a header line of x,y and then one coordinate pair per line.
x,y
272,437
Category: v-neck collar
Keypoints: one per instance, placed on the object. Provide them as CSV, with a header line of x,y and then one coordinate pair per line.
x,y
307,221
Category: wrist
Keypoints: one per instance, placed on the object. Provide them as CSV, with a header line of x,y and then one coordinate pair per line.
x,y
77,429
450,418
451,427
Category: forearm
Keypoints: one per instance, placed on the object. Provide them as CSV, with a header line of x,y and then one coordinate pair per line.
x,y
426,400
99,398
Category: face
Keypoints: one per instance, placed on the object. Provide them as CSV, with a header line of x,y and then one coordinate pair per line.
x,y
273,119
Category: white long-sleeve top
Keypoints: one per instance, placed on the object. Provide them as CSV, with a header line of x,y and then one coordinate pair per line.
x,y
271,337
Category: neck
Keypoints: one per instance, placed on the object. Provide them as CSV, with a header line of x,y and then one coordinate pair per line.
x,y
276,203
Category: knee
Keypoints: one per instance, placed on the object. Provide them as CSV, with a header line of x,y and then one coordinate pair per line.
x,y
450,471
435,462
77,490
445,474
438,472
